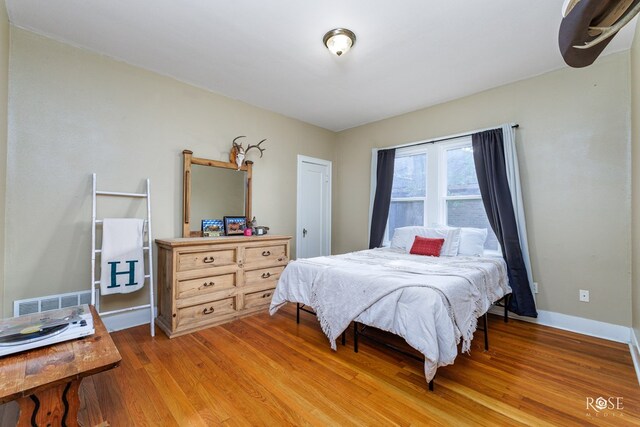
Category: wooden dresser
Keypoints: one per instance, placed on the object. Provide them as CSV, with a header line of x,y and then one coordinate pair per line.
x,y
206,281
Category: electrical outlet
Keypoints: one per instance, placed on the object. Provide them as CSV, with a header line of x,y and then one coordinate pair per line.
x,y
535,287
584,295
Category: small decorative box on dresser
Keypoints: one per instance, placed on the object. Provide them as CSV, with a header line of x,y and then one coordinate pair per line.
x,y
207,281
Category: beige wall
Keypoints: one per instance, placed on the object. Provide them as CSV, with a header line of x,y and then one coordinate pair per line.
x,y
573,147
74,112
635,177
4,83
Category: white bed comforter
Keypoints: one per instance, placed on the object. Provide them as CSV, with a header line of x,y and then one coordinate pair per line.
x,y
433,303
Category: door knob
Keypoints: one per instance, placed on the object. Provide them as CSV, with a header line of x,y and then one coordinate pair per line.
x,y
304,232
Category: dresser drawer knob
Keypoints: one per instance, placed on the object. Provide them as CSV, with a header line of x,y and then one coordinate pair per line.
x,y
280,259
206,285
266,253
267,295
266,275
208,259
208,310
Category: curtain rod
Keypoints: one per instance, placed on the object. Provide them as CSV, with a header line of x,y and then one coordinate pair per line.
x,y
444,138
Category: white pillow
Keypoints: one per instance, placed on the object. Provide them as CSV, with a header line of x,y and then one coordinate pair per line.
x,y
472,241
403,238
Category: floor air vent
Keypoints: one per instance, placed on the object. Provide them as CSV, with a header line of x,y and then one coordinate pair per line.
x,y
50,302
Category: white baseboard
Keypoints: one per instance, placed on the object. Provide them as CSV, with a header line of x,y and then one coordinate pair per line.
x,y
635,353
128,319
580,325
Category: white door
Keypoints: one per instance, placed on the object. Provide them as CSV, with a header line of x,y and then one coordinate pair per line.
x,y
313,229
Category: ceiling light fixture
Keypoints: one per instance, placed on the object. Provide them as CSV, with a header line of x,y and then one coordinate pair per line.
x,y
339,41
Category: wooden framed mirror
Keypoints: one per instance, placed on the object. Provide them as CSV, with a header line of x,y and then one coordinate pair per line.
x,y
211,190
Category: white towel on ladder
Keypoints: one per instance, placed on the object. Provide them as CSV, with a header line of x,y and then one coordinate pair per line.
x,y
122,259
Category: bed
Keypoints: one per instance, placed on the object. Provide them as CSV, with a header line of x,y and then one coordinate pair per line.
x,y
431,302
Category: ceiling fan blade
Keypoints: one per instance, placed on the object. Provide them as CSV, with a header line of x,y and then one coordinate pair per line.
x,y
612,30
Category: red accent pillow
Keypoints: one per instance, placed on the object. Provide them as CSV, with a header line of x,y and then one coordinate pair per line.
x,y
426,246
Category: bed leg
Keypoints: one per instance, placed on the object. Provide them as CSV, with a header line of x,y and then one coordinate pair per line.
x,y
486,332
298,313
344,337
506,311
355,337
431,385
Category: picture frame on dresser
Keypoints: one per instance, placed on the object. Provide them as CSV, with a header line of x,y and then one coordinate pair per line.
x,y
234,225
212,228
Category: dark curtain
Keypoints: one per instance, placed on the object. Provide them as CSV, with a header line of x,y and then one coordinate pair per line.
x,y
488,156
382,200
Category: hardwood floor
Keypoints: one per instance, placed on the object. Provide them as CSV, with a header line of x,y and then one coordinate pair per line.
x,y
265,370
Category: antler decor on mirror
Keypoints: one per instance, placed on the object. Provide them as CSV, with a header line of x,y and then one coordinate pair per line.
x,y
256,146
238,152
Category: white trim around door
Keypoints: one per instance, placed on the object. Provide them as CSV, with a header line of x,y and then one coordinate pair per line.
x,y
327,214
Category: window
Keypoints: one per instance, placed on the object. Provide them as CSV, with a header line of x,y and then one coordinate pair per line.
x,y
461,200
436,184
409,191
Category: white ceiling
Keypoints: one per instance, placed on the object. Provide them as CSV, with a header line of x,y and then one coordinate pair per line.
x,y
409,54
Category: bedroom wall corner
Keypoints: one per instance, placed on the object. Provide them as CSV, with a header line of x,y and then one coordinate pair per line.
x,y
4,88
635,181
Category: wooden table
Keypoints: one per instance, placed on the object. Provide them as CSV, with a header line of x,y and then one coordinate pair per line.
x,y
45,381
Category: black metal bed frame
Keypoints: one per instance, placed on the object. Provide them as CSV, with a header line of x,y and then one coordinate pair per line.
x,y
358,333
504,302
301,307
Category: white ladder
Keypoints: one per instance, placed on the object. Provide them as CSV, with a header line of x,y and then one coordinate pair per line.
x,y
95,284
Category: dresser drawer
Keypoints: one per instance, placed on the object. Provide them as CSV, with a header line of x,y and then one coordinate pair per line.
x,y
274,254
205,312
208,259
263,275
204,285
258,299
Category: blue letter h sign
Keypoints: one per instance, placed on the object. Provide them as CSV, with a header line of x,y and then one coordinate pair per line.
x,y
130,272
